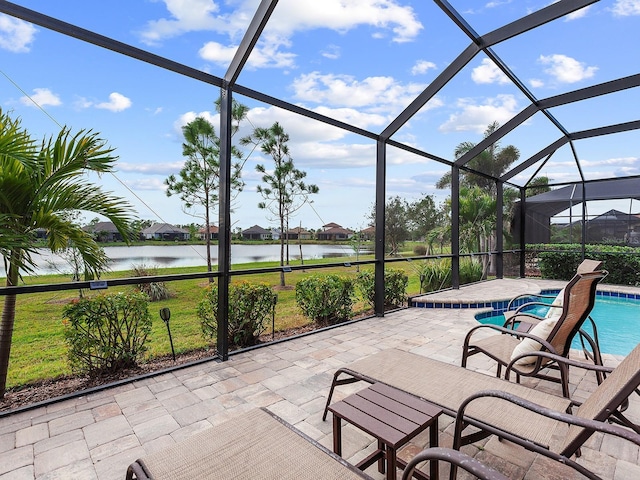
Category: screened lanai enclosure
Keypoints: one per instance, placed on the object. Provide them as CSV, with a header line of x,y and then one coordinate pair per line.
x,y
489,125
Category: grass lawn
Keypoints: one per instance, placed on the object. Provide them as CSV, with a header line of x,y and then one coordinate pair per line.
x,y
39,351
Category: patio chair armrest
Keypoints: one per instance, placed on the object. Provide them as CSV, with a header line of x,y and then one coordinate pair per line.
x,y
520,309
521,317
453,457
497,328
552,355
462,420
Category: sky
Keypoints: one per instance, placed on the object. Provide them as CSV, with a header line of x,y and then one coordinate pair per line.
x,y
360,61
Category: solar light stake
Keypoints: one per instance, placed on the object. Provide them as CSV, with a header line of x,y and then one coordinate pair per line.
x,y
165,315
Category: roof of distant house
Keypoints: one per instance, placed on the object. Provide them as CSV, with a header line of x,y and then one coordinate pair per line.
x,y
331,225
337,231
212,229
298,230
108,227
163,228
256,229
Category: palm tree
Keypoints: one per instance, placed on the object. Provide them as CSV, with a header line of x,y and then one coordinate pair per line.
x,y
494,161
39,186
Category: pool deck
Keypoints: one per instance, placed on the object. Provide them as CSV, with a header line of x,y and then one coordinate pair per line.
x,y
95,436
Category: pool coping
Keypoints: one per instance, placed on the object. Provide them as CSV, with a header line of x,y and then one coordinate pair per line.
x,y
497,307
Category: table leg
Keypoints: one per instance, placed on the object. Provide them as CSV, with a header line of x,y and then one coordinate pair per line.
x,y
433,442
391,463
337,435
381,447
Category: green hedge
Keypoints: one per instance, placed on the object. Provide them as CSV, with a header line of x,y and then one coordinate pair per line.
x,y
560,261
326,299
251,306
395,287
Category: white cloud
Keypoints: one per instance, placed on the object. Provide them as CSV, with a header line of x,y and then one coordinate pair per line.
x,y
488,72
161,168
497,3
289,17
536,83
475,117
15,35
622,161
332,52
624,8
42,97
422,66
81,103
265,54
566,69
378,94
147,184
578,14
217,53
187,117
185,16
117,103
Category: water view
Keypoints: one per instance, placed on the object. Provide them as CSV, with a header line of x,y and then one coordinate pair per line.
x,y
162,256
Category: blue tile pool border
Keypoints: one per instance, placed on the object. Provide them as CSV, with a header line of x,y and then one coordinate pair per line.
x,y
499,306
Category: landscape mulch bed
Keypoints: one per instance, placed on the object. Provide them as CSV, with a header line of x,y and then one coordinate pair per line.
x,y
45,390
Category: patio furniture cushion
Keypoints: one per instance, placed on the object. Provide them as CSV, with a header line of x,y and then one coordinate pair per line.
x,y
557,302
529,345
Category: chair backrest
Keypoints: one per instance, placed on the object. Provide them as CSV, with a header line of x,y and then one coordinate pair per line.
x,y
588,265
605,399
579,298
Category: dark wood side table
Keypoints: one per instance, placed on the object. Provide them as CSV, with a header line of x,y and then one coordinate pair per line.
x,y
392,417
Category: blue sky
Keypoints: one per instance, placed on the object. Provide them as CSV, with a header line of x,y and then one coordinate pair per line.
x,y
360,61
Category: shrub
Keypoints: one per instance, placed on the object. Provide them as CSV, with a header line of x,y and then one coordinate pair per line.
x,y
107,333
250,308
156,291
435,275
395,287
326,299
622,263
470,270
420,250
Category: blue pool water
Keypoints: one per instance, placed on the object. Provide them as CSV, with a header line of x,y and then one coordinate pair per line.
x,y
617,320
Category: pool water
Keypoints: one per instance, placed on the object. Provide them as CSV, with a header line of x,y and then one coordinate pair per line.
x,y
617,319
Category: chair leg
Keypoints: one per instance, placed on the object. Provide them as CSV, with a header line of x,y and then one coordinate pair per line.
x,y
334,384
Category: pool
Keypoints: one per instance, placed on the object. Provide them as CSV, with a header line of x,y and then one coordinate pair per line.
x,y
617,317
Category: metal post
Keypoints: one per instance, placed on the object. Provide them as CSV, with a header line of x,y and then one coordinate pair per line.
x,y
455,227
224,235
584,219
523,230
499,230
381,161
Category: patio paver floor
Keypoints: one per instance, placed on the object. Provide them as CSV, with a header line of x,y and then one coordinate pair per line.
x,y
96,436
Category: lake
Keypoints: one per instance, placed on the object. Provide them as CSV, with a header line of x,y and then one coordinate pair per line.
x,y
162,256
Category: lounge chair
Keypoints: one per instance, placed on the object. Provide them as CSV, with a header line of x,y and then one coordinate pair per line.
x,y
254,445
520,350
519,315
450,387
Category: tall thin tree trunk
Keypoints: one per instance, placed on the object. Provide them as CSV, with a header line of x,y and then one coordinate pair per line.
x,y
7,322
208,234
282,282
